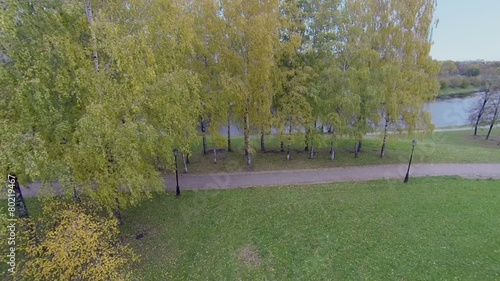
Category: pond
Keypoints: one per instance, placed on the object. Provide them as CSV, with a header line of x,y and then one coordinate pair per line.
x,y
451,112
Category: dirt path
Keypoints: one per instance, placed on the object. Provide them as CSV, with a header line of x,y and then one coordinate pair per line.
x,y
296,177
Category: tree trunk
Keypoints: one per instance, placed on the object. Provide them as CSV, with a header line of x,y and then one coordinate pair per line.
x,y
356,151
359,146
204,138
480,114
187,158
382,150
289,140
311,139
262,143
306,147
215,155
90,19
117,213
247,133
118,216
311,154
282,147
75,197
495,115
229,148
22,210
332,152
185,162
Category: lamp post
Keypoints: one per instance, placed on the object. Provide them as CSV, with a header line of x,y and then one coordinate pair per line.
x,y
177,190
413,143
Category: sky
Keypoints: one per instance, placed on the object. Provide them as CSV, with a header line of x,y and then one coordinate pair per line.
x,y
467,30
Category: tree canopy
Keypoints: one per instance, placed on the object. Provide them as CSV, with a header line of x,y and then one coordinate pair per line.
x,y
96,94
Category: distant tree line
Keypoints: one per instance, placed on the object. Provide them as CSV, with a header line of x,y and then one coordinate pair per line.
x,y
467,73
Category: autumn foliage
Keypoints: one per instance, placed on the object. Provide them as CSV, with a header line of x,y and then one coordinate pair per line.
x,y
76,242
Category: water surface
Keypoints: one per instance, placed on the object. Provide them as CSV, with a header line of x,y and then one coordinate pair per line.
x,y
451,112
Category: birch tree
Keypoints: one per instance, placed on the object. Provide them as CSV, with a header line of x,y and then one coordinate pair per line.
x,y
410,74
47,80
252,34
100,129
150,101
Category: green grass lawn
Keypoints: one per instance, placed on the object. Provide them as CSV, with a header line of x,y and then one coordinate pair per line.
x,y
457,92
446,147
429,229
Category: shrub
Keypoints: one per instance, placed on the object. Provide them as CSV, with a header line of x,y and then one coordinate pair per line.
x,y
443,83
455,82
465,83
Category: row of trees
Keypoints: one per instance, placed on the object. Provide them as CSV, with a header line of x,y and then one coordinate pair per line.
x,y
464,74
96,93
461,82
468,68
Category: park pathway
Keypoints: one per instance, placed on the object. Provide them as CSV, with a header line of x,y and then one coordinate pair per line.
x,y
313,176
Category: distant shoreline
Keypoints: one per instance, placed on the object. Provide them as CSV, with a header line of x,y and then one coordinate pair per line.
x,y
451,93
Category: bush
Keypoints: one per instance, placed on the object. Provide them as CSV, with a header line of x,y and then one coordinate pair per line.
x,y
443,83
476,82
465,83
473,72
456,82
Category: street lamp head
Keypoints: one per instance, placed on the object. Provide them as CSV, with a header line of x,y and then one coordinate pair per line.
x,y
414,142
175,151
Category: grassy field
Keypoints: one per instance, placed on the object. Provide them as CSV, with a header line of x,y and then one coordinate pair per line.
x,y
430,229
457,92
446,147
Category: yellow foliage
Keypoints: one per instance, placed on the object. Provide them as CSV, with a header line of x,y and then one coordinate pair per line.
x,y
74,242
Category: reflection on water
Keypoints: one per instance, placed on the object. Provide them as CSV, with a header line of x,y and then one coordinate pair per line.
x,y
444,113
451,112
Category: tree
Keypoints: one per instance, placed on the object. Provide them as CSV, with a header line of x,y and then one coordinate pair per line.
x,y
320,40
294,77
74,242
293,111
98,132
473,71
477,111
150,102
406,74
493,114
308,34
45,77
491,82
448,68
252,34
357,61
493,110
208,43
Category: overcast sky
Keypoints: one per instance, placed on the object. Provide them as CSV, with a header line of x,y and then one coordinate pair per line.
x,y
467,30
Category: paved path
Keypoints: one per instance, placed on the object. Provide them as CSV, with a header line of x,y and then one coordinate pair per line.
x,y
295,177
274,178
